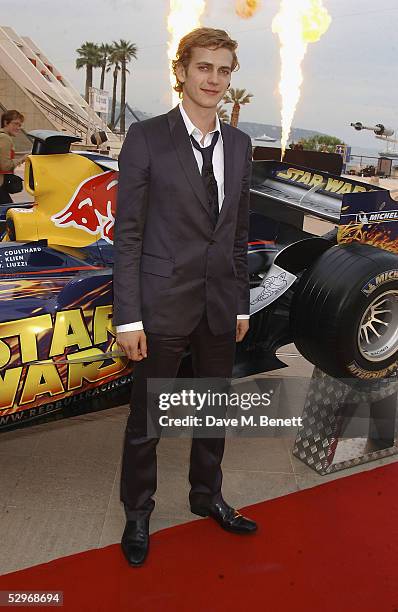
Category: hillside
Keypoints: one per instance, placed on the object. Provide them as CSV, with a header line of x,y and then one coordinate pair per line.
x,y
250,128
274,131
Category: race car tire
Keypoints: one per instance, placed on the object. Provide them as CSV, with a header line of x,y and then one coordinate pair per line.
x,y
344,313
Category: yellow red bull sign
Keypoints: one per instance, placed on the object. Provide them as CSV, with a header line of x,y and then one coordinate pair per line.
x,y
62,213
92,206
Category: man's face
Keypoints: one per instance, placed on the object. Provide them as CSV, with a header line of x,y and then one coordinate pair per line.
x,y
207,77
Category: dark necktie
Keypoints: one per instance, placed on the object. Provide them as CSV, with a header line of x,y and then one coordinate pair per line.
x,y
208,177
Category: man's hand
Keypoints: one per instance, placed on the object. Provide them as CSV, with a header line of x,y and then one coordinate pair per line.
x,y
133,343
242,327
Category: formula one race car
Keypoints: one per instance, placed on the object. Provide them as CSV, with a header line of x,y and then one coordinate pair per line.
x,y
335,296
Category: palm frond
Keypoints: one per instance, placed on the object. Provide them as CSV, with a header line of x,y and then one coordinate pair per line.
x,y
90,55
237,96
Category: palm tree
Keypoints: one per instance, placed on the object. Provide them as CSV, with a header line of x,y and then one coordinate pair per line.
x,y
114,61
222,114
125,51
237,97
105,51
89,59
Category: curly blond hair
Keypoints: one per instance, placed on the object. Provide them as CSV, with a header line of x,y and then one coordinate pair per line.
x,y
208,38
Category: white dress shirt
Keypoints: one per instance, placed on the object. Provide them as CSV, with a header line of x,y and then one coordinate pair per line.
x,y
218,169
218,153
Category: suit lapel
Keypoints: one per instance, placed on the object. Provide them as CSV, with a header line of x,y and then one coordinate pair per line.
x,y
185,155
187,160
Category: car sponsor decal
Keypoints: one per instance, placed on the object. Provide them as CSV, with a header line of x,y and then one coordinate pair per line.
x,y
56,356
374,216
380,279
71,403
92,206
326,183
359,372
273,285
369,218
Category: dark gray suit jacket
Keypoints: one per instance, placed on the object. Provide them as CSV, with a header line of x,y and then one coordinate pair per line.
x,y
170,265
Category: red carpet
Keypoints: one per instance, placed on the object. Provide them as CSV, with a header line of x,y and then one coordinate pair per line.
x,y
332,547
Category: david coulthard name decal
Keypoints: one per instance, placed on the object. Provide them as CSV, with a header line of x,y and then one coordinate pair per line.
x,y
16,257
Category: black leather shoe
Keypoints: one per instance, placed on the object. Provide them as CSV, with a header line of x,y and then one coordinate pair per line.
x,y
135,541
228,518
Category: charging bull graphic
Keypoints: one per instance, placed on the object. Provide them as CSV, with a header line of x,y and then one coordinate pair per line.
x,y
92,206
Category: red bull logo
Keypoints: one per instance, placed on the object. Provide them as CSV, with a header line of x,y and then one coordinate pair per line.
x,y
92,206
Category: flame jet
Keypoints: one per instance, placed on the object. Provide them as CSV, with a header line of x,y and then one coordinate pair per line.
x,y
246,8
183,17
297,24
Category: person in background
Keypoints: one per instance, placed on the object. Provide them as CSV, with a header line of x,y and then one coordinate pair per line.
x,y
11,124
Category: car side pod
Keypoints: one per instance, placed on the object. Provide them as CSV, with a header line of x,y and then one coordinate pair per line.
x,y
74,196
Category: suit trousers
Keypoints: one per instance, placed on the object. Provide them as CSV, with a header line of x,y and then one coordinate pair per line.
x,y
212,356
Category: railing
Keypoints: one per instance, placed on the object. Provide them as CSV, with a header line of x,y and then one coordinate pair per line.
x,y
69,119
68,112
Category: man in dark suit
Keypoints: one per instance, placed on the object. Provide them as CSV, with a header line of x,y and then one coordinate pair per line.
x,y
180,274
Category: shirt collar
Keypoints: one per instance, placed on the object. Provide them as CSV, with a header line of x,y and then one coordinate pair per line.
x,y
191,128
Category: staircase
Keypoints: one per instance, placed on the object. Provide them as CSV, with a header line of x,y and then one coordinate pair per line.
x,y
32,84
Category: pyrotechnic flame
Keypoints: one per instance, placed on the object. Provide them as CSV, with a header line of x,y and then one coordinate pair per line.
x,y
246,8
298,23
184,16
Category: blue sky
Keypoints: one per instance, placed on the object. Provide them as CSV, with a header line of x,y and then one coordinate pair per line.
x,y
350,74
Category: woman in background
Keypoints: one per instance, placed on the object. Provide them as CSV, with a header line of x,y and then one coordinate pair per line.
x,y
11,124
